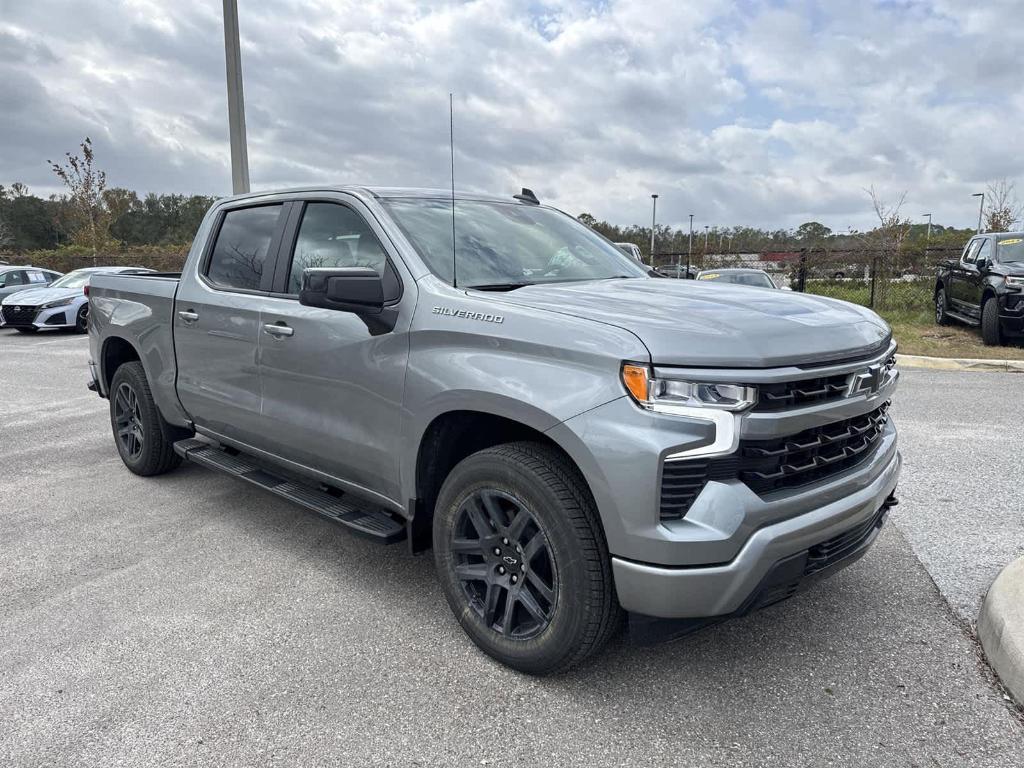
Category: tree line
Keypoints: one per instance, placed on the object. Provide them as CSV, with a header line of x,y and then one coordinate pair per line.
x,y
97,219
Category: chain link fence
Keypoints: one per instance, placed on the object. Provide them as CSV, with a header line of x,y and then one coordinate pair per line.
x,y
903,282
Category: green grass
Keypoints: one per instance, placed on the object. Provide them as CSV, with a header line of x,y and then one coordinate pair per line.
x,y
908,308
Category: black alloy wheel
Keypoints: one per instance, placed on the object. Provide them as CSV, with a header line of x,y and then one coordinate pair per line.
x,y
504,564
128,422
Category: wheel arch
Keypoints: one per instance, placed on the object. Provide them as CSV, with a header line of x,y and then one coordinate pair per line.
x,y
116,351
451,436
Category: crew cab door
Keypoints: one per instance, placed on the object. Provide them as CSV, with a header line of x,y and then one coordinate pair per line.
x,y
332,382
974,279
217,321
961,274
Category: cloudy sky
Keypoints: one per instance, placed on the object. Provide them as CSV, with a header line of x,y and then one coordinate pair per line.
x,y
764,113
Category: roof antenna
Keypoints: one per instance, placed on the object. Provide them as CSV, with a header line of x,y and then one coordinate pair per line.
x,y
451,146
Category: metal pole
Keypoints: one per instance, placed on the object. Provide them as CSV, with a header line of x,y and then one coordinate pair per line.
x,y
981,207
706,227
928,236
654,212
236,101
689,249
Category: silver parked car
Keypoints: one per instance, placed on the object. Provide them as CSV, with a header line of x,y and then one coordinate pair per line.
x,y
14,279
756,278
61,304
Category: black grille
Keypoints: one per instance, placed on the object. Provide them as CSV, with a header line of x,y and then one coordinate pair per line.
x,y
821,556
789,394
781,395
811,455
18,315
772,465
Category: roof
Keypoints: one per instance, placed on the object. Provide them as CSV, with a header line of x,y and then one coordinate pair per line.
x,y
384,192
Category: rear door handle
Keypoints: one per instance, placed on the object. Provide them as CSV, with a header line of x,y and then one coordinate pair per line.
x,y
188,315
278,330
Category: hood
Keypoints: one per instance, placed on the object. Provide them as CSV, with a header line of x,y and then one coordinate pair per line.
x,y
33,297
685,322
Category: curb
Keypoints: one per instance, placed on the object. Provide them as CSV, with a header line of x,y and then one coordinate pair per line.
x,y
960,364
1001,628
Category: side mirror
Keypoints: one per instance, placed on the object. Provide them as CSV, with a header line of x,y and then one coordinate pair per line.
x,y
981,264
350,289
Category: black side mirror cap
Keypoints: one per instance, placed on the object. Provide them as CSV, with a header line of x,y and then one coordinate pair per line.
x,y
350,289
981,264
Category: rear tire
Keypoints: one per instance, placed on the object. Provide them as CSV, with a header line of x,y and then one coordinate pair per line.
x,y
522,559
140,432
991,333
941,318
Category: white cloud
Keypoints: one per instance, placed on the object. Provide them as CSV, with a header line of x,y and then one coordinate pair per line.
x,y
770,116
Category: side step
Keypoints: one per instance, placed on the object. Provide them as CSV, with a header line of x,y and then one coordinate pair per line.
x,y
362,519
966,319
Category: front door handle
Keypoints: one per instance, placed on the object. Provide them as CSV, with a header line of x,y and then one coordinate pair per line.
x,y
188,315
278,330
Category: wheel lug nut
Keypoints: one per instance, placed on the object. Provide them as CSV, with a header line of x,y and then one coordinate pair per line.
x,y
501,570
514,578
505,542
497,551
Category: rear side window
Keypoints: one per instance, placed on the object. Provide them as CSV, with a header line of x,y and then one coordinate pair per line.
x,y
240,254
333,235
36,277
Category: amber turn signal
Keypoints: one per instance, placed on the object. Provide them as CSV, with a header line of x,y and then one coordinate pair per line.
x,y
636,378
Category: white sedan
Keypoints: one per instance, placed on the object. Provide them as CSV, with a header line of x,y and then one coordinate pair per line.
x,y
62,304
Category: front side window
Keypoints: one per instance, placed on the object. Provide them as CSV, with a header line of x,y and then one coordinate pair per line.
x,y
334,236
985,251
16,277
240,253
507,243
971,252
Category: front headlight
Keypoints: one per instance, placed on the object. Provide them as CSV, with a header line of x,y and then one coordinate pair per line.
x,y
668,395
60,303
1017,282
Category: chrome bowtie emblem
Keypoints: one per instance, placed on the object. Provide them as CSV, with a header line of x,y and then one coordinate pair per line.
x,y
510,560
866,382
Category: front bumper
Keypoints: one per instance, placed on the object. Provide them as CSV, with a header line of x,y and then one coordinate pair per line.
x,y
35,317
784,550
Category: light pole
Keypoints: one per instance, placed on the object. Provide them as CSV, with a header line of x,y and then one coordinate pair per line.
x,y
981,207
928,237
236,101
706,228
654,212
689,249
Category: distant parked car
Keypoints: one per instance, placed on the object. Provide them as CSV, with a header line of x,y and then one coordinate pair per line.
x,y
678,271
631,250
14,279
61,304
756,278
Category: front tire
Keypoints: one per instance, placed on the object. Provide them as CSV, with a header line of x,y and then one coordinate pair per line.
x,y
522,559
941,318
82,319
991,333
140,432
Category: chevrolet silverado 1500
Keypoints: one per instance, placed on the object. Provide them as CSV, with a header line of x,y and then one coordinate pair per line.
x,y
487,377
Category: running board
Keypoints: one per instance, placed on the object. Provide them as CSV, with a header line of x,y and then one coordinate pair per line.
x,y
966,319
363,520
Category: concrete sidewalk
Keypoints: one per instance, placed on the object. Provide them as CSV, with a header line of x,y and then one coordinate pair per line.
x,y
1001,628
960,363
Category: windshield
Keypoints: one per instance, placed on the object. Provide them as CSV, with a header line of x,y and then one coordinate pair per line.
x,y
507,243
1011,250
756,279
76,279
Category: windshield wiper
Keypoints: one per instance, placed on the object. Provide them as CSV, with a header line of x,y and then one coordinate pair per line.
x,y
499,286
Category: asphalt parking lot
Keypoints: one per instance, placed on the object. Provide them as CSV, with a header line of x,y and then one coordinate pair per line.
x,y
192,619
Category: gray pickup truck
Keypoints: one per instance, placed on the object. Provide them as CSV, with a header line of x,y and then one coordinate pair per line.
x,y
576,440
